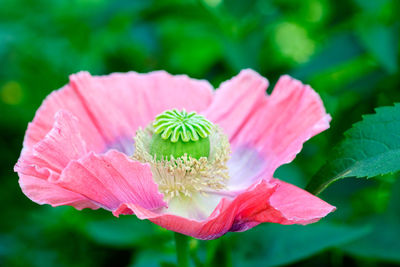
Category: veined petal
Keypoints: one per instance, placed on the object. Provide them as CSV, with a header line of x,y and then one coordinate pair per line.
x,y
293,114
63,143
236,100
69,155
133,100
260,203
272,129
62,166
43,192
226,215
44,161
111,108
45,117
111,179
296,206
95,114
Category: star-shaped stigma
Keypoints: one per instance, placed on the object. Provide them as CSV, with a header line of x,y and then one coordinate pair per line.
x,y
174,124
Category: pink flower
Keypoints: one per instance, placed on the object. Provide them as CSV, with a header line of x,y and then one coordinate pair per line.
x,y
78,151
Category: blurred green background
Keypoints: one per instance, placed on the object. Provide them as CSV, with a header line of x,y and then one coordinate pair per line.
x,y
347,50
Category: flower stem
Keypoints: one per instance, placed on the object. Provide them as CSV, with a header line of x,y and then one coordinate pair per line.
x,y
182,249
227,252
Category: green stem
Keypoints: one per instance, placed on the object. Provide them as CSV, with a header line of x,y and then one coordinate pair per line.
x,y
227,252
182,249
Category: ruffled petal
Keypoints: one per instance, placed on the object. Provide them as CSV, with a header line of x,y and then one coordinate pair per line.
x,y
95,114
111,179
45,117
270,130
45,160
224,217
293,114
260,203
63,143
295,205
43,192
120,103
110,108
62,161
236,100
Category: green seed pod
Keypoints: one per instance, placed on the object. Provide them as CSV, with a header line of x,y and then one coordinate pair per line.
x,y
178,132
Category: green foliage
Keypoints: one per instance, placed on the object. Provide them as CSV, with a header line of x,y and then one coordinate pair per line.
x,y
381,243
282,244
127,231
348,51
383,42
370,148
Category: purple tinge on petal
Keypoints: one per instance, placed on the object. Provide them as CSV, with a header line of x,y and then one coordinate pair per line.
x,y
223,218
120,103
124,145
68,156
292,115
111,108
241,226
262,202
272,127
246,166
96,114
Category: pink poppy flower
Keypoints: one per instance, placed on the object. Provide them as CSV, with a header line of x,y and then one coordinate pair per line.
x,y
92,144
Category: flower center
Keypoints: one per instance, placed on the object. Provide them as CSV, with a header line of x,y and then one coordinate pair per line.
x,y
178,132
186,152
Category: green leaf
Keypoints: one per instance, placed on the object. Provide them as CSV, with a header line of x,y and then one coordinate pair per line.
x,y
338,50
370,148
148,258
284,244
126,231
382,42
383,241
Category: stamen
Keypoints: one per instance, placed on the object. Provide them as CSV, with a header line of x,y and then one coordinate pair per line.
x,y
185,175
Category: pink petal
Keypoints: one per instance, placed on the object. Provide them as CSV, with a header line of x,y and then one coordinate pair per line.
x,y
63,143
269,129
61,163
110,108
63,99
246,167
44,192
96,114
226,214
294,114
45,160
260,203
236,100
296,205
111,179
119,103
